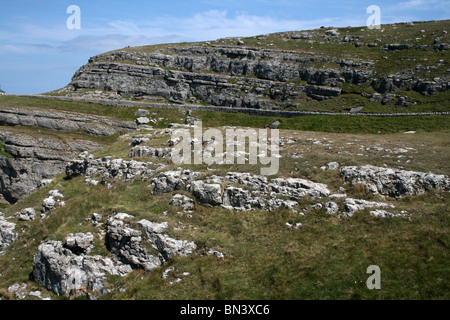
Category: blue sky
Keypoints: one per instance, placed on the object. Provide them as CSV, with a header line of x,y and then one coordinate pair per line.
x,y
38,53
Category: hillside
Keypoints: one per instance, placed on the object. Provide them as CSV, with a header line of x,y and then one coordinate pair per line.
x,y
94,207
399,68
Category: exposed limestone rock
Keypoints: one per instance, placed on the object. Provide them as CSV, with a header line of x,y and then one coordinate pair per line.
x,y
142,120
125,243
35,160
331,207
172,180
26,214
109,169
137,140
253,181
210,194
73,274
63,121
80,243
385,214
296,187
144,151
353,205
242,200
215,252
332,165
18,290
274,203
180,75
180,200
394,182
165,245
7,234
51,203
396,46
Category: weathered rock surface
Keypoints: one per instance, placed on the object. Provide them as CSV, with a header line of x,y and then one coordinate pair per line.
x,y
185,73
26,214
166,246
385,214
244,77
64,121
67,268
79,243
394,182
353,205
144,151
296,187
7,234
240,199
109,168
73,273
32,161
180,200
53,201
126,244
207,193
172,180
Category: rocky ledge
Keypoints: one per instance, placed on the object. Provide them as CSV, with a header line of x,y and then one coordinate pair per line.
x,y
64,121
68,269
394,182
241,76
29,161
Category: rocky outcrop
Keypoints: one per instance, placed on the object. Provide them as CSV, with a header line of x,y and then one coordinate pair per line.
x,y
67,269
242,77
241,200
297,187
73,273
126,244
394,182
180,200
7,234
166,246
108,168
27,214
144,151
33,160
408,82
53,201
172,180
64,121
207,193
353,205
221,76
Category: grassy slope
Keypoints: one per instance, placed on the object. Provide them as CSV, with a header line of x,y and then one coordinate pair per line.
x,y
343,124
433,63
325,259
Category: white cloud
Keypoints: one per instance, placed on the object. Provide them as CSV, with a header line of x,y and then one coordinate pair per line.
x,y
208,25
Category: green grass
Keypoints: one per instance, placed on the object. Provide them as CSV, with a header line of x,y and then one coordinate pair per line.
x,y
120,113
327,258
338,123
2,152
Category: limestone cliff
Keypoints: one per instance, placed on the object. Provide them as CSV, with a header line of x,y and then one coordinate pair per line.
x,y
272,71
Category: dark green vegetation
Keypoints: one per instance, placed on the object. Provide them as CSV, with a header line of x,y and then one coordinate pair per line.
x,y
319,123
